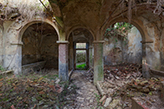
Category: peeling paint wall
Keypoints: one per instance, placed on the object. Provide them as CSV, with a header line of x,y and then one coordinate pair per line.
x,y
118,51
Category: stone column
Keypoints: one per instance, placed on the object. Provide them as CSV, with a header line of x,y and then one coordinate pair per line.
x,y
145,67
90,57
63,60
71,53
98,61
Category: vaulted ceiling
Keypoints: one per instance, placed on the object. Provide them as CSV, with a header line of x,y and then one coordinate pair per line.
x,y
95,14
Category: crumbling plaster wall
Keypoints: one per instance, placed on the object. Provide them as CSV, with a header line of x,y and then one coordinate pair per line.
x,y
10,46
134,52
118,51
12,41
152,43
159,42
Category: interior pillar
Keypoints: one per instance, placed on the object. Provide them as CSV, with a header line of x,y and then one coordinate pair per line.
x,y
90,57
71,53
98,61
145,67
13,60
63,60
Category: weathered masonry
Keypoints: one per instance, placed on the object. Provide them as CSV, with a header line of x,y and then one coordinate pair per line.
x,y
50,40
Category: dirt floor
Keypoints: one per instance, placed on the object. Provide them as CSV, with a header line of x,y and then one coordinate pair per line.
x,y
87,95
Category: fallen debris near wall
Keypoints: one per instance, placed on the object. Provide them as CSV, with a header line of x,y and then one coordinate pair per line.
x,y
124,83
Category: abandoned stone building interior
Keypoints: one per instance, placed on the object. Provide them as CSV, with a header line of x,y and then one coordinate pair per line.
x,y
88,36
50,38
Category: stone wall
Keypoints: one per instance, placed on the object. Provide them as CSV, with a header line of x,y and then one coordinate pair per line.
x,y
12,47
133,54
11,43
118,51
152,43
50,51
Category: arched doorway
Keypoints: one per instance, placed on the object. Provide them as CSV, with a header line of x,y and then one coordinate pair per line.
x,y
80,49
39,49
123,44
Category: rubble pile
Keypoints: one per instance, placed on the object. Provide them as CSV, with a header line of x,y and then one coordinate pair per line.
x,y
124,82
123,71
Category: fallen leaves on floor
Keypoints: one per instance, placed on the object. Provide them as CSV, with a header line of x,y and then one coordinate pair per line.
x,y
27,92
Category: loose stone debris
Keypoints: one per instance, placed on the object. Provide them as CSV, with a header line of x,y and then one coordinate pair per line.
x,y
125,82
123,88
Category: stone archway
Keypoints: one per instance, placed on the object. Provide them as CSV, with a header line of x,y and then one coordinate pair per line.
x,y
80,36
143,35
39,48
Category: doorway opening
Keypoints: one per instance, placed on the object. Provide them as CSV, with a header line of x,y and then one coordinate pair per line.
x,y
80,49
81,56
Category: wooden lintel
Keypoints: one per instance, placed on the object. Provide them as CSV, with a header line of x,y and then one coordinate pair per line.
x,y
81,49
